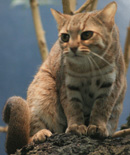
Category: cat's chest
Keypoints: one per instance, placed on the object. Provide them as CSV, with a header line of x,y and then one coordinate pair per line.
x,y
88,89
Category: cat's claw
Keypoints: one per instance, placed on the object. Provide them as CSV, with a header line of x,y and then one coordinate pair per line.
x,y
41,136
77,129
97,131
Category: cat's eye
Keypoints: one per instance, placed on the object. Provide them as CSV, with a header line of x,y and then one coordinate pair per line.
x,y
86,35
65,37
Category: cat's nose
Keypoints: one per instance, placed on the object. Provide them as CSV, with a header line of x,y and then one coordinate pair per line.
x,y
74,49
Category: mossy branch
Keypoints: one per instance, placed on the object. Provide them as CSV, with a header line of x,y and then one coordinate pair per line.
x,y
40,33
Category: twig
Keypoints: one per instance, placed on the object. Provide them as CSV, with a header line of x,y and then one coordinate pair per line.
x,y
73,5
121,133
93,6
84,6
66,7
127,49
3,129
39,29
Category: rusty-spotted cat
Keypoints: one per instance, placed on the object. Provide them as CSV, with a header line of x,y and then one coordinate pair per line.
x,y
79,88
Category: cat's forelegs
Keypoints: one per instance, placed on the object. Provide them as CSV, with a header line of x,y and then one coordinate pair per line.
x,y
40,136
16,115
106,111
114,118
74,113
99,117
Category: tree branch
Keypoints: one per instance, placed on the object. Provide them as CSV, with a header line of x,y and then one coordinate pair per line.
x,y
73,5
3,129
127,49
73,144
40,33
92,6
84,6
121,133
66,7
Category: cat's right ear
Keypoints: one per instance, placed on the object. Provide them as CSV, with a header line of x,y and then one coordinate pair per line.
x,y
107,14
59,17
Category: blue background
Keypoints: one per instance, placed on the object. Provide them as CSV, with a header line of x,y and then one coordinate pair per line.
x,y
19,53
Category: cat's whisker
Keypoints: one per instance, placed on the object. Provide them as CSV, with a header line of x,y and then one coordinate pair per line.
x,y
96,65
91,64
102,58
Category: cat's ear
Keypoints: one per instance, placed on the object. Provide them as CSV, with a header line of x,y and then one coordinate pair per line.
x,y
107,15
59,17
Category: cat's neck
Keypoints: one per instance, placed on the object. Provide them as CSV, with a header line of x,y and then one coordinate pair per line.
x,y
87,69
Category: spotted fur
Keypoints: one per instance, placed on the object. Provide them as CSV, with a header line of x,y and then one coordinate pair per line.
x,y
81,86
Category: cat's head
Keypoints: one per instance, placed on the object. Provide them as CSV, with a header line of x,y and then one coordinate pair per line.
x,y
85,33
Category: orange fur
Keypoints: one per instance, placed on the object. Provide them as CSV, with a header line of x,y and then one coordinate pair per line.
x,y
79,88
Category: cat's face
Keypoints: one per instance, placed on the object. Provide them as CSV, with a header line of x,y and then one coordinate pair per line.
x,y
83,34
80,36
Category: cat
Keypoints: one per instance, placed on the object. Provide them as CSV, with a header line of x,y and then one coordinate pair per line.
x,y
78,89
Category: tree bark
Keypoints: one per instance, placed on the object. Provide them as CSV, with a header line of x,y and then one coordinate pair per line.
x,y
68,144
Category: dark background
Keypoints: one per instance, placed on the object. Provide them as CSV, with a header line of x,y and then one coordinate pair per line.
x,y
19,53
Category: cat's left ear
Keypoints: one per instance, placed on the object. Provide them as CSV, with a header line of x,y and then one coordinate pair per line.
x,y
59,17
107,15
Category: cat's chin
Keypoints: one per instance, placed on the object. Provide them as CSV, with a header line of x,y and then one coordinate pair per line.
x,y
74,58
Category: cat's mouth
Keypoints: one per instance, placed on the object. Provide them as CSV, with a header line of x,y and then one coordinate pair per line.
x,y
85,52
76,55
81,54
72,55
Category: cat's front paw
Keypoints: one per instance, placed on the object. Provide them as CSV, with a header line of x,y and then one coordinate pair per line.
x,y
77,129
97,131
41,136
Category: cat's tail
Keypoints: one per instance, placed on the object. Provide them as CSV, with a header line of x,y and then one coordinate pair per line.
x,y
16,114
